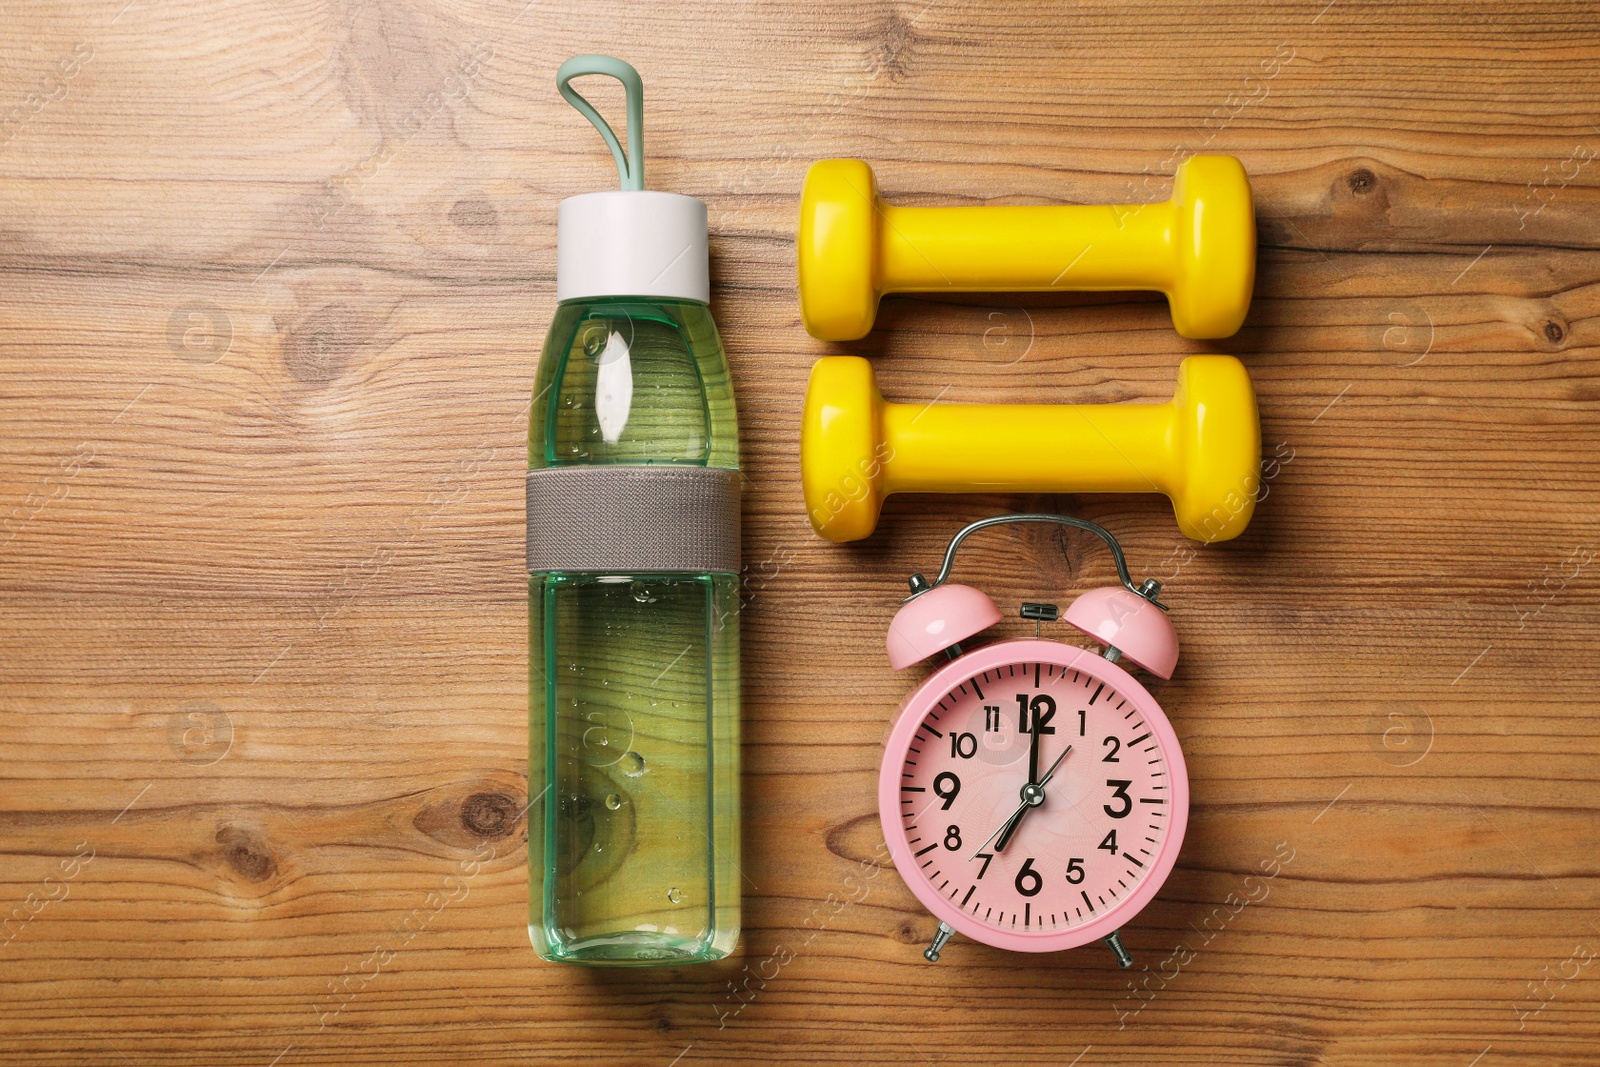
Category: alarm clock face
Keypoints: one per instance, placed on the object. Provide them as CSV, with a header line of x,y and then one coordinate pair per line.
x,y
1095,849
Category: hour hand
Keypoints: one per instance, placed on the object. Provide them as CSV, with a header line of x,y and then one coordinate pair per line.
x,y
1010,827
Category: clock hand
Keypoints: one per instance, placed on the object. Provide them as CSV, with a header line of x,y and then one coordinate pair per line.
x,y
1011,821
1033,751
1032,797
1051,773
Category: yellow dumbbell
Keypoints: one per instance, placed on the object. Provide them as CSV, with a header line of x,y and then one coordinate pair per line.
x,y
1202,449
1199,248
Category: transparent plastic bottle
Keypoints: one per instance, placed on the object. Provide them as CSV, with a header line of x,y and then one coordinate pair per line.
x,y
634,671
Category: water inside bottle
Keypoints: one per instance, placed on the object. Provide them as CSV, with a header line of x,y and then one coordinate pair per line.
x,y
634,709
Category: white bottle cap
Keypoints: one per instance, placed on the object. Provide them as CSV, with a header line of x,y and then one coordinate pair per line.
x,y
632,243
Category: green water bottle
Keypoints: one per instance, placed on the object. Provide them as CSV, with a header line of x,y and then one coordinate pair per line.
x,y
633,582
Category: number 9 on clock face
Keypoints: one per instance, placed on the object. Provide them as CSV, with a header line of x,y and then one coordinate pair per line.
x,y
997,844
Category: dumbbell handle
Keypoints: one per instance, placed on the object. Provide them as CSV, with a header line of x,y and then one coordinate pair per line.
x,y
995,249
976,448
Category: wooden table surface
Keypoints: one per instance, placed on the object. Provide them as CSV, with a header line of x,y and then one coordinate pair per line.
x,y
273,276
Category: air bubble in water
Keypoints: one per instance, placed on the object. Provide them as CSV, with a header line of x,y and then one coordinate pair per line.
x,y
613,801
633,765
673,895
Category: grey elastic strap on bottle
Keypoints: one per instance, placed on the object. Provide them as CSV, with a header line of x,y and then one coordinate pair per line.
x,y
624,519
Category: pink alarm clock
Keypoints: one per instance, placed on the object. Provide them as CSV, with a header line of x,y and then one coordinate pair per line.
x,y
1033,794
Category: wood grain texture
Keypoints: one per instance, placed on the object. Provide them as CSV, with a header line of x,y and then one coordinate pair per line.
x,y
273,274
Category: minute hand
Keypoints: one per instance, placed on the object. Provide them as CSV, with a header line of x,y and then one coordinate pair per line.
x,y
1032,796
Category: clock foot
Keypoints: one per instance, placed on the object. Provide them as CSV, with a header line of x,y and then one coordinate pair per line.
x,y
1115,942
945,932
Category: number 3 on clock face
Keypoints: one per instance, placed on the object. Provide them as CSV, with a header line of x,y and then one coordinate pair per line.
x,y
1095,848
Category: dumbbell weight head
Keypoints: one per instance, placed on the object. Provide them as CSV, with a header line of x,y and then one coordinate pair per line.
x,y
1217,448
1215,238
838,250
842,448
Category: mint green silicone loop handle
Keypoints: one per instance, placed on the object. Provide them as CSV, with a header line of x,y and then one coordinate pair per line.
x,y
630,167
